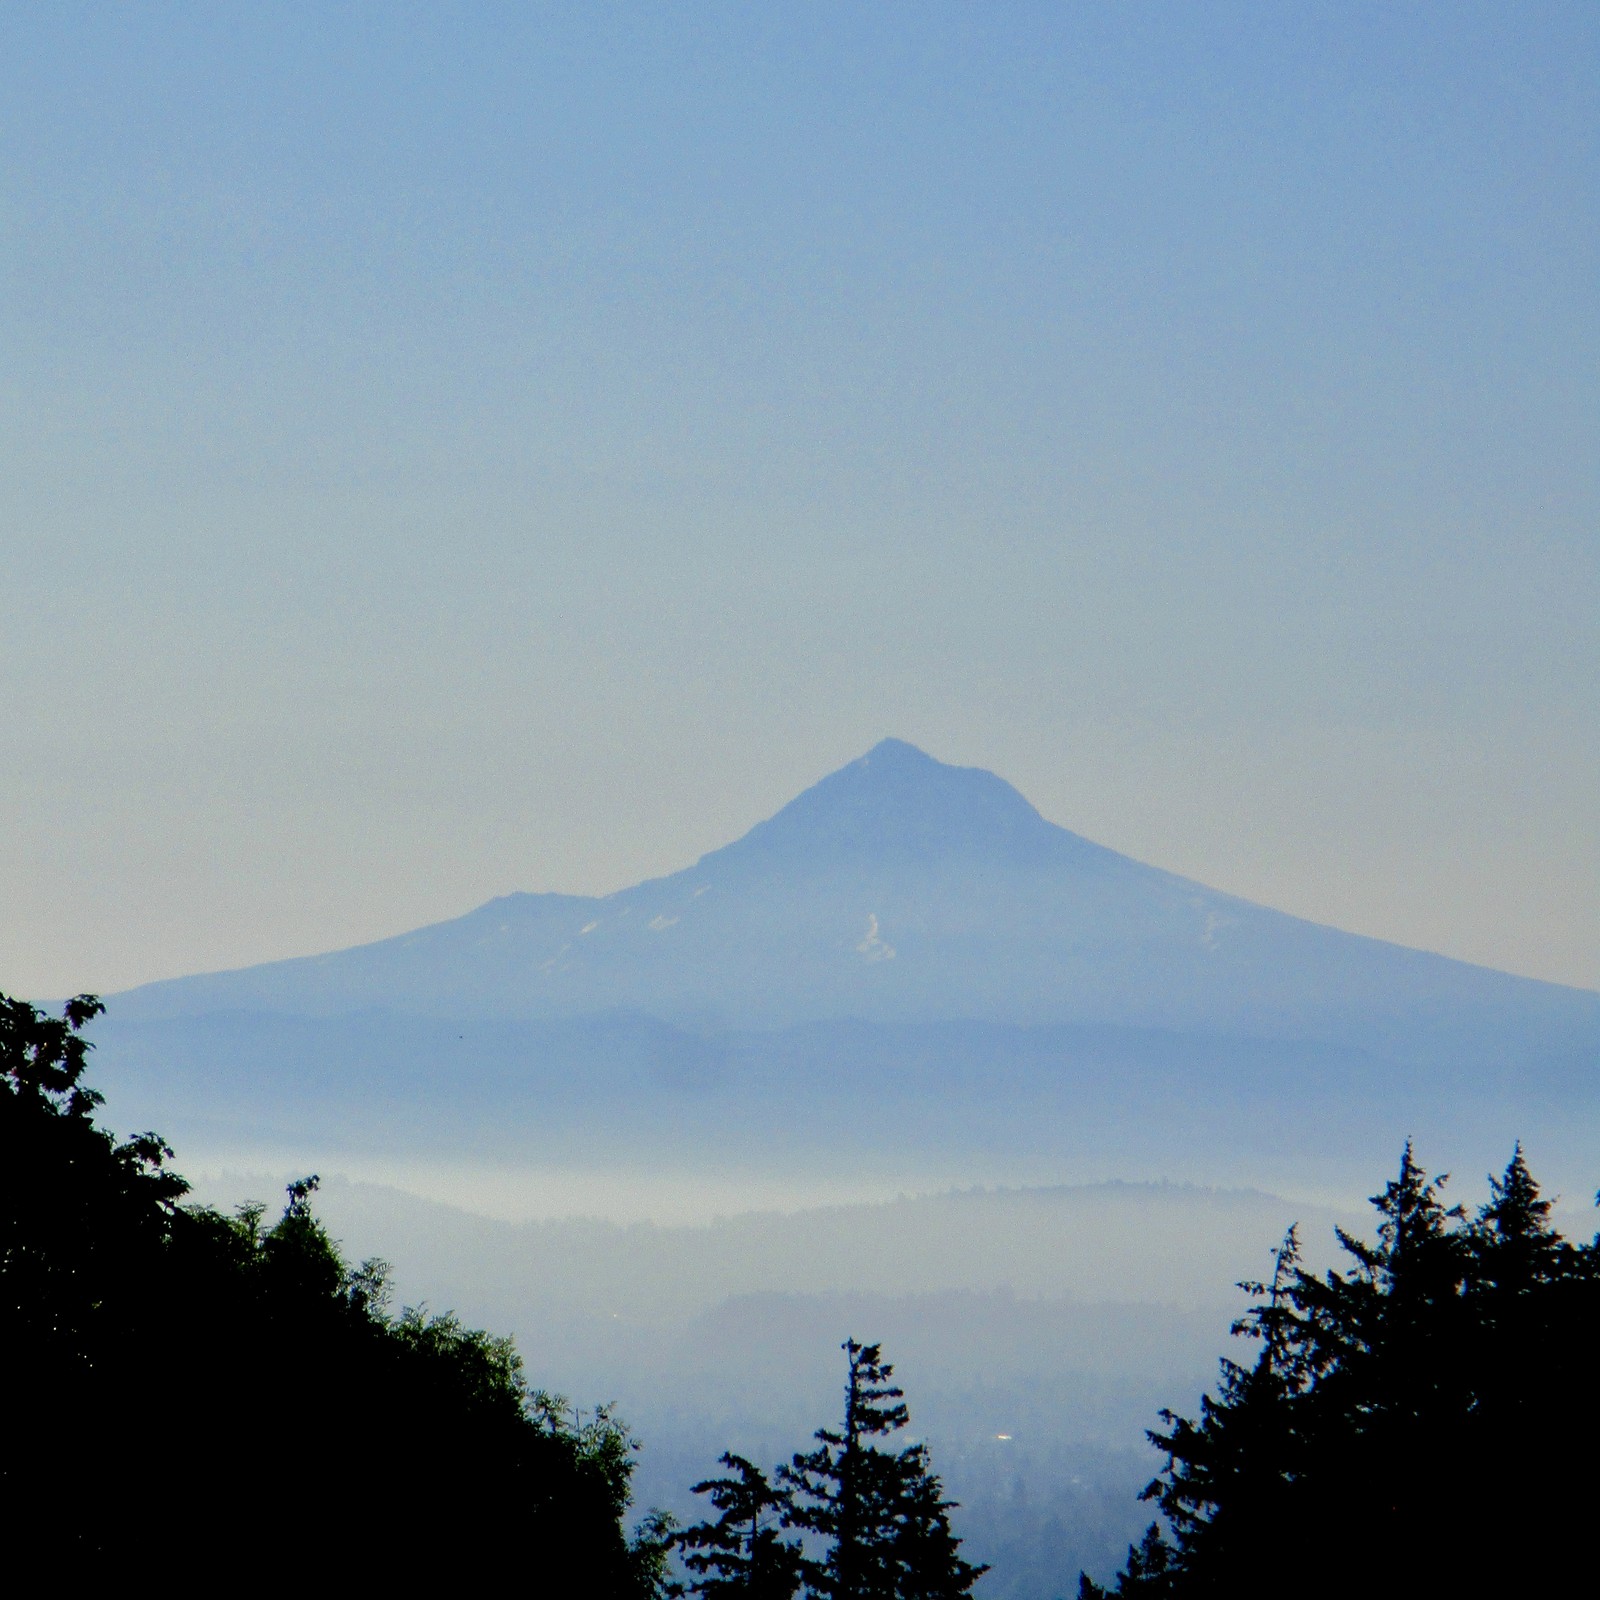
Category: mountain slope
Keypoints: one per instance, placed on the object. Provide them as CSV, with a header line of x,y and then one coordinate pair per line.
x,y
900,889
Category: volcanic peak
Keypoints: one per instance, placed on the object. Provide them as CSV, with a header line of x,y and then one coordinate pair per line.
x,y
897,803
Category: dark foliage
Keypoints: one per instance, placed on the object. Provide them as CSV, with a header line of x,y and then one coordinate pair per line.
x,y
876,1519
197,1395
1422,1421
743,1552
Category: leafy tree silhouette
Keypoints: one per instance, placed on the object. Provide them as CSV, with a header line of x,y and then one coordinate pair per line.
x,y
215,1398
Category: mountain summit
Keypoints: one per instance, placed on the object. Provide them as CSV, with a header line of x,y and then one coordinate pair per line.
x,y
898,804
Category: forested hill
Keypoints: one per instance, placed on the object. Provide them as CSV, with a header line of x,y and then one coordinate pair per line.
x,y
195,1398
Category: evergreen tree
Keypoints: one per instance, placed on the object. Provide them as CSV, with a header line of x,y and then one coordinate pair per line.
x,y
927,1555
1148,1575
1537,1395
1225,1491
841,1484
742,1553
1226,1484
1389,1346
1420,1420
880,1511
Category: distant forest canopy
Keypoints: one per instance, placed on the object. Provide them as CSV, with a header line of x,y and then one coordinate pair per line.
x,y
206,1393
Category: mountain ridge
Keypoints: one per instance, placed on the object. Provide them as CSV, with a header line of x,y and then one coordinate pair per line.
x,y
895,887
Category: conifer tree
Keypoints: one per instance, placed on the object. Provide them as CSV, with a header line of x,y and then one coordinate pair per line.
x,y
1225,1487
742,1553
1537,1326
927,1554
1148,1574
881,1511
1420,1421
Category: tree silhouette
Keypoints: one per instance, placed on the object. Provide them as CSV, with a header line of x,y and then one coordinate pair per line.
x,y
880,1512
1422,1419
743,1552
223,1400
926,1554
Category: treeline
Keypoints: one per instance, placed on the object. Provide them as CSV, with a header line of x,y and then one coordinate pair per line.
x,y
1423,1420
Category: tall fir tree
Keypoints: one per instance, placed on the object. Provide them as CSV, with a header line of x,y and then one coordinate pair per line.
x,y
880,1512
1225,1489
928,1564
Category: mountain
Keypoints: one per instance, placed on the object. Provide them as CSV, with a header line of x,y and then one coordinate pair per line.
x,y
902,928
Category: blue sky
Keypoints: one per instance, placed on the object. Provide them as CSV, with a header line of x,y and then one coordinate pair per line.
x,y
457,449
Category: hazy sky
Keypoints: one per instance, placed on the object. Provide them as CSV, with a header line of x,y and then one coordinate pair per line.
x,y
447,450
